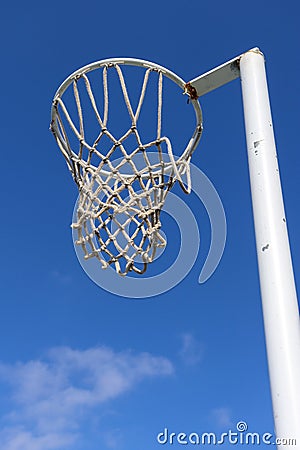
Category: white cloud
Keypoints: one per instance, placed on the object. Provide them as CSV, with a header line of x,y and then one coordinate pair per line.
x,y
191,351
18,438
113,439
222,417
51,395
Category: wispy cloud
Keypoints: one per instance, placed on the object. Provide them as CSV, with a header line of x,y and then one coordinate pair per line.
x,y
221,417
191,350
49,396
18,438
112,439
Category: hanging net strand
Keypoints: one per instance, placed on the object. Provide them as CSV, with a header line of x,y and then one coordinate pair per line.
x,y
119,203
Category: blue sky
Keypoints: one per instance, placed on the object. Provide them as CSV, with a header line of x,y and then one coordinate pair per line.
x,y
84,369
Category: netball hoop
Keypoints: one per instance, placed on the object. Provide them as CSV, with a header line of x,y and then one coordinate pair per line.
x,y
122,178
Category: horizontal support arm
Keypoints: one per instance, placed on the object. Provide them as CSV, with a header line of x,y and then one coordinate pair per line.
x,y
215,78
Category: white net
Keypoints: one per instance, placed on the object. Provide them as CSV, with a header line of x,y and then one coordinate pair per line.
x,y
122,188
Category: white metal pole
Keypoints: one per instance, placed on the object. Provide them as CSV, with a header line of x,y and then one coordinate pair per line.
x,y
280,307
